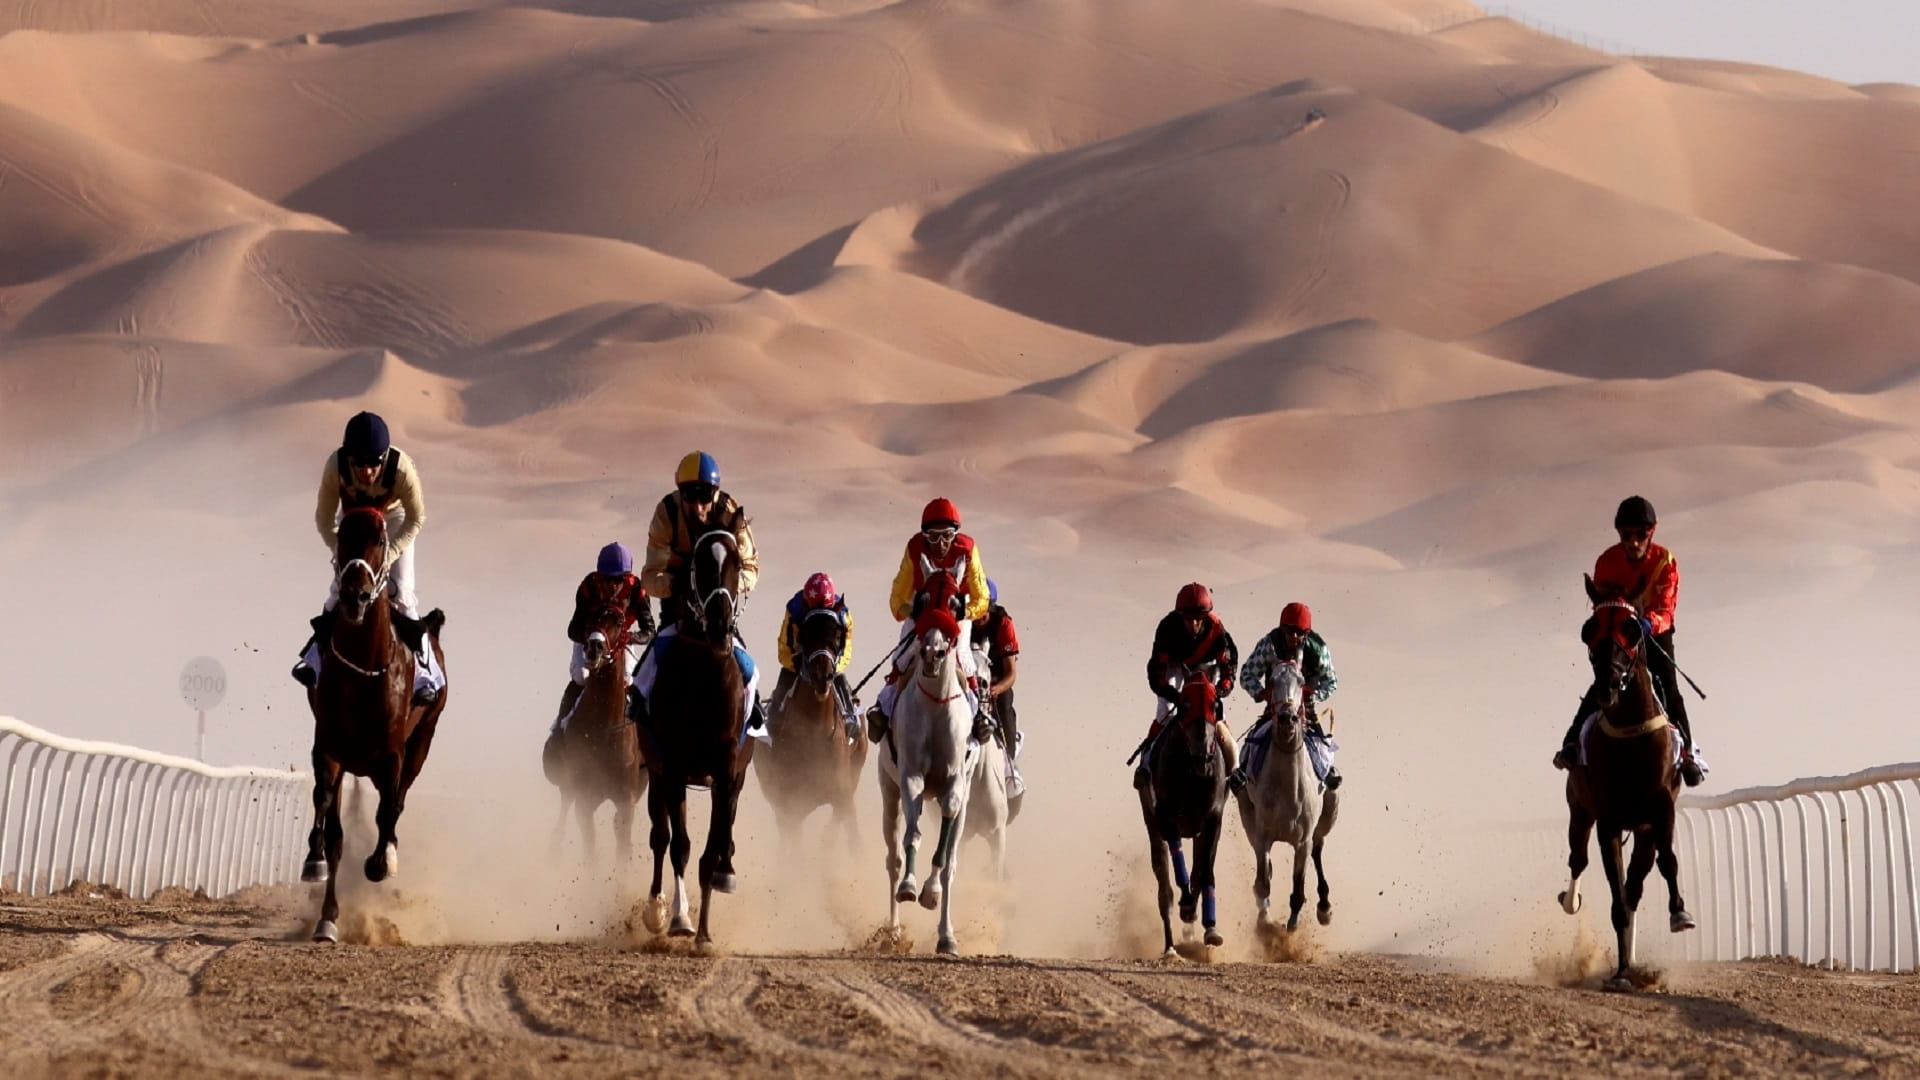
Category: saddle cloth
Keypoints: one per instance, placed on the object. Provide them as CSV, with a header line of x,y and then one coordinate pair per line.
x,y
1253,749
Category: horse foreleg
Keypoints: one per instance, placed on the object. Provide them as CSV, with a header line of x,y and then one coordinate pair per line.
x,y
1206,848
1579,836
890,829
1262,876
679,848
654,915
908,889
326,799
583,812
1157,854
622,829
385,859
1324,911
1677,917
952,828
1611,845
1637,869
716,861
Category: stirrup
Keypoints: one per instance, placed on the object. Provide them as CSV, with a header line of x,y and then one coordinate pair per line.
x,y
1236,781
1564,757
304,674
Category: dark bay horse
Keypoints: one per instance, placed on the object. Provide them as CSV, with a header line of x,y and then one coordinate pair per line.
x,y
364,719
811,762
596,757
1184,799
1626,781
695,734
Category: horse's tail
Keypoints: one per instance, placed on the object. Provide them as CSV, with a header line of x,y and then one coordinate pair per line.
x,y
434,621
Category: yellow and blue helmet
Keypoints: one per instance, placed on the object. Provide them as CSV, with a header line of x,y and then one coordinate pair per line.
x,y
697,468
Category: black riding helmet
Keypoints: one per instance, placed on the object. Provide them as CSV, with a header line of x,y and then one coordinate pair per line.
x,y
1635,513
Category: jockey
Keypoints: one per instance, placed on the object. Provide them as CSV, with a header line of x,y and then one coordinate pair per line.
x,y
1295,637
368,470
944,547
1001,641
1647,576
611,584
694,507
1189,640
818,594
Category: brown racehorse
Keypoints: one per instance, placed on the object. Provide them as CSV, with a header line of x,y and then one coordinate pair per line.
x,y
810,761
364,719
596,758
1627,781
1186,798
695,734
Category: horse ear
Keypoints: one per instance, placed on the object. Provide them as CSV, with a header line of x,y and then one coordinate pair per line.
x,y
926,565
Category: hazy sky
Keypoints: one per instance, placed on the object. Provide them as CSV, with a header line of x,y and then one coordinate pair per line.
x,y
1855,41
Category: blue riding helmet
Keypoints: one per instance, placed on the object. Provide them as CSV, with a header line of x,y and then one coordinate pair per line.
x,y
615,560
366,437
993,592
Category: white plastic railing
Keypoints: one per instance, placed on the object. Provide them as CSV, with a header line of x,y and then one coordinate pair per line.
x,y
73,810
1767,893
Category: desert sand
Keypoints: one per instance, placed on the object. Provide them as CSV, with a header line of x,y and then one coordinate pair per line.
x,y
1381,305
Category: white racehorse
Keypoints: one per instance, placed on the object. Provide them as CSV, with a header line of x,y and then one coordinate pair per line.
x,y
989,809
928,756
1285,804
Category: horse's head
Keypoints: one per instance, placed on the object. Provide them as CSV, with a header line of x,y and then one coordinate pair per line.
x,y
1287,699
606,634
938,634
360,561
1199,705
821,637
1615,643
940,590
714,575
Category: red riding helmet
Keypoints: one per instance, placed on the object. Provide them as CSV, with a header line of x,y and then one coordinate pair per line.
x,y
1296,616
940,512
819,592
1194,599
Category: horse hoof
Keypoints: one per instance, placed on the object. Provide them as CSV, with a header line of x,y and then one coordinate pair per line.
x,y
314,871
326,930
1324,913
1214,939
1570,906
1619,984
1293,923
1171,954
948,947
1682,921
682,927
703,946
907,892
1189,912
653,914
930,895
722,883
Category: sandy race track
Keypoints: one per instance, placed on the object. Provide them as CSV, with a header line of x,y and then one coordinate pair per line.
x,y
178,987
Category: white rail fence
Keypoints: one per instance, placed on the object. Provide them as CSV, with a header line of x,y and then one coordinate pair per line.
x,y
106,814
1761,868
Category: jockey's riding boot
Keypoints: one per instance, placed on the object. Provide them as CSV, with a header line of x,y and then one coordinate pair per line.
x,y
1236,781
303,672
636,706
1333,778
982,724
1569,752
568,699
876,723
425,695
757,715
1142,776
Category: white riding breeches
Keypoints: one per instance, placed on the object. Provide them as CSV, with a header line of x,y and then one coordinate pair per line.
x,y
399,585
577,667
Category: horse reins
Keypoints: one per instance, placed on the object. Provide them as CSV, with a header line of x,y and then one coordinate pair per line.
x,y
378,587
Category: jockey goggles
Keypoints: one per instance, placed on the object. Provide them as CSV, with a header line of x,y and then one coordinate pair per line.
x,y
940,533
699,493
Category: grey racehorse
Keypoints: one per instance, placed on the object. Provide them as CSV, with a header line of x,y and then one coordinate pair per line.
x,y
1285,803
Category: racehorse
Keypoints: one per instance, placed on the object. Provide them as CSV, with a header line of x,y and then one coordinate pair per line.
x,y
811,760
1284,803
595,757
696,734
364,718
1627,779
930,757
1184,798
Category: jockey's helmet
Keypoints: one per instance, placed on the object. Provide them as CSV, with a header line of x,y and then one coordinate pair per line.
x,y
940,513
698,470
1634,513
366,437
1296,616
819,592
1194,599
615,560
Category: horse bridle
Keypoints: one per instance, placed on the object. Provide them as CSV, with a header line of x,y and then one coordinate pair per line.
x,y
378,587
832,654
720,538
